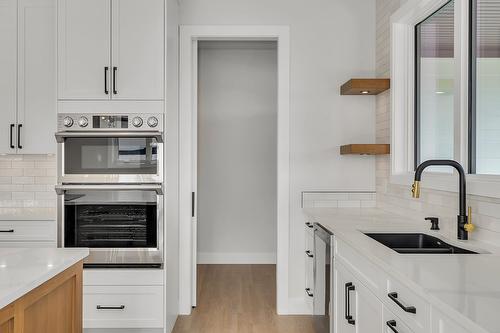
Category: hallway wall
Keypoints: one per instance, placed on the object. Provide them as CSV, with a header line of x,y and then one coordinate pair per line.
x,y
237,152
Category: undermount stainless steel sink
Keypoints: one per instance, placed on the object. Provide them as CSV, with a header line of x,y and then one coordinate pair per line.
x,y
416,243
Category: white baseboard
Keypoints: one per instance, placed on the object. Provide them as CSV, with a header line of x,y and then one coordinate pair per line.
x,y
232,258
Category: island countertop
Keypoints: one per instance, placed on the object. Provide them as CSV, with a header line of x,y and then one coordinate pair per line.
x,y
24,269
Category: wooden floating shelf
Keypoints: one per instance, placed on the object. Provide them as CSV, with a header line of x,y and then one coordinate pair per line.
x,y
365,149
365,86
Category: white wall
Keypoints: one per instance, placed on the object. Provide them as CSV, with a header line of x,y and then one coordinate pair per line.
x,y
237,147
331,41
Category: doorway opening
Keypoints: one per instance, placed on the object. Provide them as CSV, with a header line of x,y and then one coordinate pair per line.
x,y
233,115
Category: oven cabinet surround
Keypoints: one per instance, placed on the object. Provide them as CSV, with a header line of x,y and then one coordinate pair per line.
x,y
111,50
123,298
27,76
369,305
28,233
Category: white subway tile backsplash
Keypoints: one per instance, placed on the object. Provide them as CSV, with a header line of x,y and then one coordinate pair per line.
x,y
340,199
27,182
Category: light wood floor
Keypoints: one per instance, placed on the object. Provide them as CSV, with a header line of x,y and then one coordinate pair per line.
x,y
239,299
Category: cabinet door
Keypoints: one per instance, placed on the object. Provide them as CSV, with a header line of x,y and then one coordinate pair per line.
x,y
343,279
37,76
443,324
353,299
138,49
8,60
369,310
309,264
84,49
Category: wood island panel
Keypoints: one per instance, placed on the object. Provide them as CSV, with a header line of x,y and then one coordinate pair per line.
x,y
53,307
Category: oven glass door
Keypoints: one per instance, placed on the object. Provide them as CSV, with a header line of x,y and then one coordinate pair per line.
x,y
111,155
111,219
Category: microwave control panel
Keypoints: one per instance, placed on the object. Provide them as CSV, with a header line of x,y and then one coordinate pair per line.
x,y
107,122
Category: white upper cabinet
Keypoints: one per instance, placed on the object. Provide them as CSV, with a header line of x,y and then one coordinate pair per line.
x,y
28,76
111,49
8,59
84,49
138,49
36,77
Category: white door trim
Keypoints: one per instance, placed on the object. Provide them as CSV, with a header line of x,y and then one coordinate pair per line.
x,y
189,35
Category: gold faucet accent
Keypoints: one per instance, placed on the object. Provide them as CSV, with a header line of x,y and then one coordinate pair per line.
x,y
469,227
415,189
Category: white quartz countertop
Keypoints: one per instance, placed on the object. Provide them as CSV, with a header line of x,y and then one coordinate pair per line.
x,y
22,270
466,284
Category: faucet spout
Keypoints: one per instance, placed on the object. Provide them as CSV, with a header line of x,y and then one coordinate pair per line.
x,y
462,216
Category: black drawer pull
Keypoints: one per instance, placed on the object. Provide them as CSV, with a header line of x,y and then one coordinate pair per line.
x,y
19,126
309,225
105,307
309,254
392,325
114,80
394,298
348,288
12,140
106,91
7,231
309,293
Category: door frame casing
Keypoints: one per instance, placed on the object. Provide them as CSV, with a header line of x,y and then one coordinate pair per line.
x,y
188,110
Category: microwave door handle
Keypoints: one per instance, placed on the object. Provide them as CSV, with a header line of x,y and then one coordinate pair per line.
x,y
61,136
60,189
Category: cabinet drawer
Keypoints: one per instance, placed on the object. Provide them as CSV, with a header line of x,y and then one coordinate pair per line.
x,y
373,277
123,307
413,309
391,320
19,231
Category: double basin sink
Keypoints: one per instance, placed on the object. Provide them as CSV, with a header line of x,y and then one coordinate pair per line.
x,y
416,243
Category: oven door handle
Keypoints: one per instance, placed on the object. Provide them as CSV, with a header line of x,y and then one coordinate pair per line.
x,y
61,136
60,189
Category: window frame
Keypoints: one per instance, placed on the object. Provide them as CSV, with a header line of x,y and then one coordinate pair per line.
x,y
403,23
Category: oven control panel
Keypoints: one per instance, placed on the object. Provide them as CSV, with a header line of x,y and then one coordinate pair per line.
x,y
107,122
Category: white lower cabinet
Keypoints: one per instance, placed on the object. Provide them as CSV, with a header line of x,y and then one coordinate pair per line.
x,y
123,298
123,306
309,264
357,309
441,323
28,233
368,300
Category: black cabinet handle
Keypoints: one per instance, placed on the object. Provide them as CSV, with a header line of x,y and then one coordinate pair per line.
x,y
348,288
309,293
309,254
392,325
11,139
114,80
394,298
19,136
104,307
106,91
309,225
7,231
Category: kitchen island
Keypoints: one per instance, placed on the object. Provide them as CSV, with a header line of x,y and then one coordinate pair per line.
x,y
41,290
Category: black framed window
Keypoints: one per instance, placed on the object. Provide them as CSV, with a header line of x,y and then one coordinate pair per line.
x,y
434,85
484,87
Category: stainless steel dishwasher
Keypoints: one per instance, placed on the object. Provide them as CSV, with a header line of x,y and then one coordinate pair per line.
x,y
323,278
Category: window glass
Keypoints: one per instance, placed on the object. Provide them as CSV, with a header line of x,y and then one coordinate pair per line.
x,y
434,89
485,107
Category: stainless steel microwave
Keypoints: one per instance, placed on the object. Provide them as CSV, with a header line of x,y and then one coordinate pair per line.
x,y
110,149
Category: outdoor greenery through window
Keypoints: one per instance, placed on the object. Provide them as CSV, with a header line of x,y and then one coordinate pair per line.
x,y
434,91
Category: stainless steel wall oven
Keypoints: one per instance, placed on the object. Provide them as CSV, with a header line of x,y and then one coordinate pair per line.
x,y
122,225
